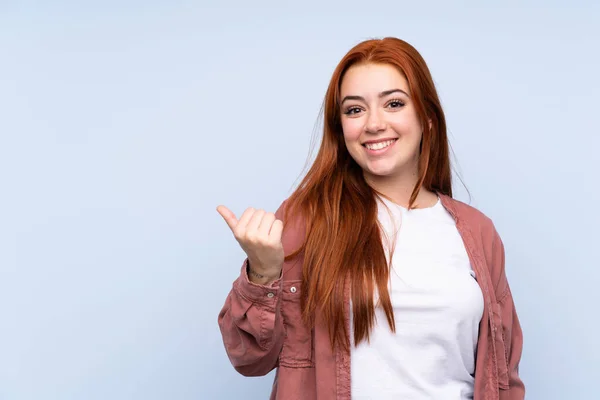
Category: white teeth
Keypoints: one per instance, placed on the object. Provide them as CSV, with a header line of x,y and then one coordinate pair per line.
x,y
379,146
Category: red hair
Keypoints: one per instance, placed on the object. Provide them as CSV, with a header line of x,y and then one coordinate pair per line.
x,y
343,244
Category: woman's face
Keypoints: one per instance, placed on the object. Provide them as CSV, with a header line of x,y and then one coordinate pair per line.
x,y
381,127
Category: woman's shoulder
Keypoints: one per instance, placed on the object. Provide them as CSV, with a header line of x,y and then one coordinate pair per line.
x,y
479,224
484,232
470,215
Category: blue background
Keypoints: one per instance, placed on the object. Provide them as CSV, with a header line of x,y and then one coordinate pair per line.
x,y
124,125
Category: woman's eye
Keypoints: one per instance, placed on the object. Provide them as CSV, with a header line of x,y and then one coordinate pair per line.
x,y
352,110
395,104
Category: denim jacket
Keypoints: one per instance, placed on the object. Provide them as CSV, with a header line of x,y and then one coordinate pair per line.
x,y
262,328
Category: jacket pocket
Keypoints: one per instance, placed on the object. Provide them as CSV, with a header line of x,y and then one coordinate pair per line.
x,y
501,347
297,345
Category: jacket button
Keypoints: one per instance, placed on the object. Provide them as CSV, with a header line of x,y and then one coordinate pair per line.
x,y
270,295
293,289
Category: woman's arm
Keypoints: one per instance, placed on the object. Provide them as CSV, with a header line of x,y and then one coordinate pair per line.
x,y
511,327
251,325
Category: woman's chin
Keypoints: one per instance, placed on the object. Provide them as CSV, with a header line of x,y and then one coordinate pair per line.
x,y
380,172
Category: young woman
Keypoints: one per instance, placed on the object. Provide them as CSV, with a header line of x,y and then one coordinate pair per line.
x,y
370,281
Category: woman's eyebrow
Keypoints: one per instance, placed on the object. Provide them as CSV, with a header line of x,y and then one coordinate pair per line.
x,y
382,94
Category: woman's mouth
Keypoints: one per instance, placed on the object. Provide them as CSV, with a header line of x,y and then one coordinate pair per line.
x,y
380,147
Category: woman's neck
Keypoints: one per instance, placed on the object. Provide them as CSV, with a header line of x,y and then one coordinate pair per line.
x,y
399,190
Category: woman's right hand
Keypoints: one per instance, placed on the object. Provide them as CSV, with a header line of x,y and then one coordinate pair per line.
x,y
259,235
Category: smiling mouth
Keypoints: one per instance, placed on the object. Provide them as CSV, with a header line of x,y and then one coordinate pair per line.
x,y
380,145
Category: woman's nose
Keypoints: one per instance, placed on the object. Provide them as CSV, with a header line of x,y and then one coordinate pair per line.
x,y
375,122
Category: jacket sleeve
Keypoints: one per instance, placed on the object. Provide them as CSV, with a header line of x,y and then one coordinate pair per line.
x,y
511,327
251,326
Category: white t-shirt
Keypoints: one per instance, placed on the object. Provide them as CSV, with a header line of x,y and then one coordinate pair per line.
x,y
437,307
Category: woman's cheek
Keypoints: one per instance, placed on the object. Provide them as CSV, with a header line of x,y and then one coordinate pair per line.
x,y
352,129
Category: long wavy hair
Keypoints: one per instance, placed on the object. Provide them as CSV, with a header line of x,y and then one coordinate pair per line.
x,y
343,244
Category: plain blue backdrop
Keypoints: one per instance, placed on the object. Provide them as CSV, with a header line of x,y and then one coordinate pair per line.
x,y
124,124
